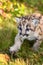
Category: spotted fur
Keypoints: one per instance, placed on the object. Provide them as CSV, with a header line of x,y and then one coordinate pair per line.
x,y
29,27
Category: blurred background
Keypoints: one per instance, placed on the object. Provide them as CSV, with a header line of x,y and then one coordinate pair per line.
x,y
9,9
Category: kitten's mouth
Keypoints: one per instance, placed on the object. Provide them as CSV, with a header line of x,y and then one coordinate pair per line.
x,y
24,34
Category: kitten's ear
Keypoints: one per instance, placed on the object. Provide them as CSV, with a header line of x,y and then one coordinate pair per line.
x,y
17,19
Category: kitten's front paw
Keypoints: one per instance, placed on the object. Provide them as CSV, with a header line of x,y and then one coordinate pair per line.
x,y
11,50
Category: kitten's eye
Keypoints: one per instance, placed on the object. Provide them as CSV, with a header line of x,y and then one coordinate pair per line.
x,y
20,33
20,28
27,29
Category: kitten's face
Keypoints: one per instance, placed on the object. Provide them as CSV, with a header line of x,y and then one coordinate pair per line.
x,y
24,26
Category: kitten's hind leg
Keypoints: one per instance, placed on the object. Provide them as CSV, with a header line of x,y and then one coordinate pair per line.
x,y
36,45
16,45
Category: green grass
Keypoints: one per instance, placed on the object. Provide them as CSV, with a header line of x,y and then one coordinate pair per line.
x,y
7,34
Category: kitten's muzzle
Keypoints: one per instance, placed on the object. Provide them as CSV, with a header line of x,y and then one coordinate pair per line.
x,y
24,34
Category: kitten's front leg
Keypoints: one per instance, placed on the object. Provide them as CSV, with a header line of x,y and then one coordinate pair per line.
x,y
16,45
36,45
